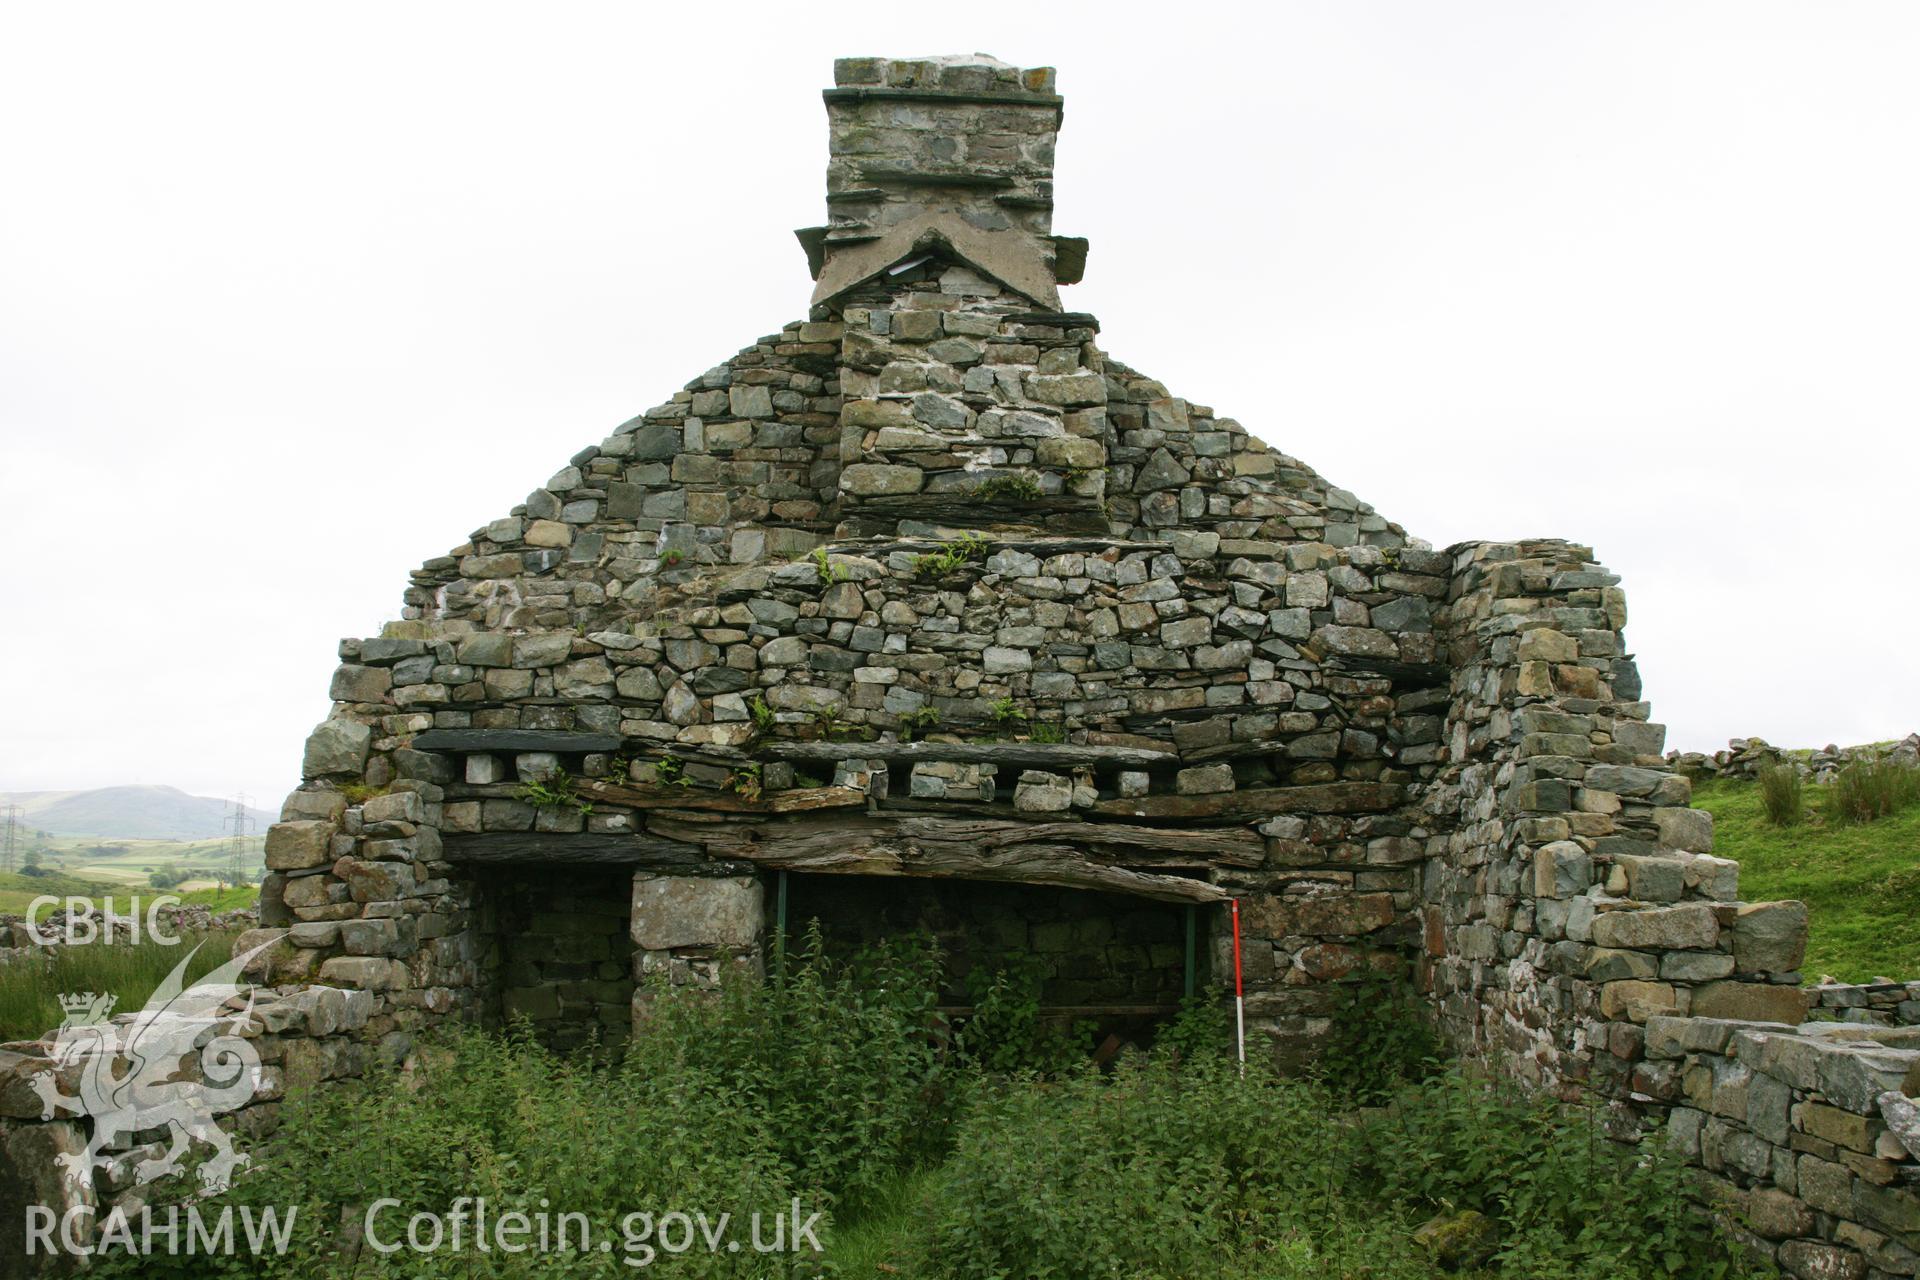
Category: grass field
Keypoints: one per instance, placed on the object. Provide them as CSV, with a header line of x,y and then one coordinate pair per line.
x,y
91,866
30,989
1861,883
18,891
213,898
132,861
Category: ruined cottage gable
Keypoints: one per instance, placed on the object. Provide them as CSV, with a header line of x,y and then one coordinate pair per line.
x,y
928,587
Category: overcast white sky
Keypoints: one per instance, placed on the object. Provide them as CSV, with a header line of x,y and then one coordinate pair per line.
x,y
295,296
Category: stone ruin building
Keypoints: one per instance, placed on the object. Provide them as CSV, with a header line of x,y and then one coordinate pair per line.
x,y
924,612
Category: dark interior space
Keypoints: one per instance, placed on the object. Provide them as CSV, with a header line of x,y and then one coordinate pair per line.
x,y
560,953
1115,961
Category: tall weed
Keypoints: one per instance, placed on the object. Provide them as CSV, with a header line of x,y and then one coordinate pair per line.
x,y
502,1119
1571,1203
840,1085
1007,1032
1159,1171
846,1062
1870,789
1782,795
1381,1038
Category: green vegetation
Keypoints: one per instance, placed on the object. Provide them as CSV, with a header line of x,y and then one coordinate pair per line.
x,y
828,722
20,888
1859,880
932,1156
1047,731
1381,1039
1782,795
1007,1032
553,790
1864,791
90,866
763,715
1869,790
825,569
744,781
951,557
1005,714
30,988
671,771
919,722
232,898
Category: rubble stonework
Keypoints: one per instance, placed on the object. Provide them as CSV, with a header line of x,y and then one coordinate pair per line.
x,y
1746,757
926,584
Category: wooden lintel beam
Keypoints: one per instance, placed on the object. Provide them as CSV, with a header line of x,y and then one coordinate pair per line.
x,y
875,845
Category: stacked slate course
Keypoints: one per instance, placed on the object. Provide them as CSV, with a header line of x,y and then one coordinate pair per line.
x,y
926,585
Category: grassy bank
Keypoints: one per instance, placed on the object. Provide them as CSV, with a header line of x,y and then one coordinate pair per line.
x,y
1860,881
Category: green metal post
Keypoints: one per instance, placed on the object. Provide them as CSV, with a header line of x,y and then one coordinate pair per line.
x,y
780,929
1193,912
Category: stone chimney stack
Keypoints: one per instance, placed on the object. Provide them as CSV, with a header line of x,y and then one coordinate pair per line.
x,y
957,148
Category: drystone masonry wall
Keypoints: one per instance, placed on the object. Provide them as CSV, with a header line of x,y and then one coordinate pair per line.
x,y
888,119
561,954
1886,1004
1576,892
1580,934
1808,1135
1745,757
294,1038
1253,684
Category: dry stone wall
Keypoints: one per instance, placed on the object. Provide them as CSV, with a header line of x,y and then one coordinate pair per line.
x,y
1885,1003
1808,1135
1576,894
295,1038
893,124
561,955
1745,757
1258,682
1579,932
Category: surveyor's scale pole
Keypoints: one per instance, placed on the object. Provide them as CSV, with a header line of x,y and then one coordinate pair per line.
x,y
1239,996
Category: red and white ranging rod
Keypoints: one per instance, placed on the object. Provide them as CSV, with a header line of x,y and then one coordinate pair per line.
x,y
1239,996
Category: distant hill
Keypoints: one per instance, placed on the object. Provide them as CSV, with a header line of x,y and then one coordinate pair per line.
x,y
129,813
